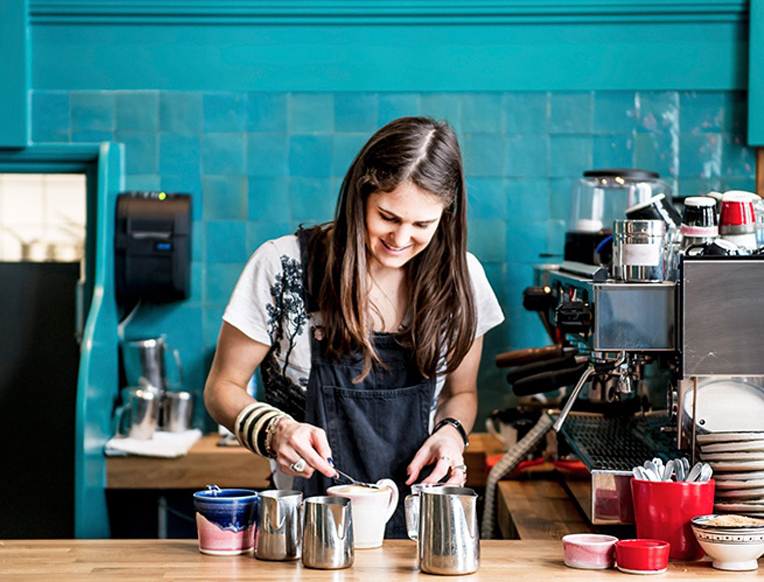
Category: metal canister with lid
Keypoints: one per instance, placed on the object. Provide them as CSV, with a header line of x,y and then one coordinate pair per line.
x,y
638,250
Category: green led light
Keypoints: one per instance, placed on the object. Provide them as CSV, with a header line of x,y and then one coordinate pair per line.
x,y
162,196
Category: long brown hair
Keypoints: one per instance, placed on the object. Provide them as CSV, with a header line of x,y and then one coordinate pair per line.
x,y
426,153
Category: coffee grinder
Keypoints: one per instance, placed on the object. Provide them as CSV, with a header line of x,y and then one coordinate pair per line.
x,y
599,198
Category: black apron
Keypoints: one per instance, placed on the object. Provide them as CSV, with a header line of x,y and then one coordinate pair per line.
x,y
374,427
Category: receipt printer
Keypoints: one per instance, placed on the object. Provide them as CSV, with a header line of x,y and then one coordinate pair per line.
x,y
152,246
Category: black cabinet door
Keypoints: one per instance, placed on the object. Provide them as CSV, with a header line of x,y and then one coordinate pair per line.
x,y
39,359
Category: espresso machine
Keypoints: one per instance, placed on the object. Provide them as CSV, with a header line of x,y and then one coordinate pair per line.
x,y
647,346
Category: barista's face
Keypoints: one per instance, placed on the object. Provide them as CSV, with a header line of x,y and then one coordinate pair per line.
x,y
400,224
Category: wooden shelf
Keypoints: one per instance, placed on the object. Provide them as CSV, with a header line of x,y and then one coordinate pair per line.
x,y
227,466
537,509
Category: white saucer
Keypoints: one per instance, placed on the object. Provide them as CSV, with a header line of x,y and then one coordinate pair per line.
x,y
727,405
641,571
724,484
737,456
749,476
757,493
724,437
742,507
736,465
733,447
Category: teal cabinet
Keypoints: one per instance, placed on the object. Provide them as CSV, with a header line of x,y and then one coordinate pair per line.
x,y
756,76
14,73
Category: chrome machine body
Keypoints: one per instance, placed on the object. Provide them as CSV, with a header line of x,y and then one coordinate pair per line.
x,y
670,337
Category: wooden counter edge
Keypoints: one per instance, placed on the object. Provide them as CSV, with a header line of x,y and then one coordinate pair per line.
x,y
180,561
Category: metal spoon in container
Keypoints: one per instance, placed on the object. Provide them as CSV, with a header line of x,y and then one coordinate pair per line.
x,y
349,478
695,472
679,469
668,471
652,470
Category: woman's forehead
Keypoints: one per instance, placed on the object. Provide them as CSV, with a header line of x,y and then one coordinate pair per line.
x,y
409,201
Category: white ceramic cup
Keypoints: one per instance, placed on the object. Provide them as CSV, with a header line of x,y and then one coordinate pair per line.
x,y
371,510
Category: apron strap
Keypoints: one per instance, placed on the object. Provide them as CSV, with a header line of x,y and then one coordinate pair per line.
x,y
312,273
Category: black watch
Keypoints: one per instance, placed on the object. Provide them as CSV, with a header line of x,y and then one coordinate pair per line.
x,y
457,425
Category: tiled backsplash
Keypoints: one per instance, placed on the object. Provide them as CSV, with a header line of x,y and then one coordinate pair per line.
x,y
42,217
260,164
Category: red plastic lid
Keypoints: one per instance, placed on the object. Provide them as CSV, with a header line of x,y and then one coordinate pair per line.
x,y
736,213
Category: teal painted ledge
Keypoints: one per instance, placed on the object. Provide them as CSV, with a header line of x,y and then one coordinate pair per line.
x,y
291,12
389,46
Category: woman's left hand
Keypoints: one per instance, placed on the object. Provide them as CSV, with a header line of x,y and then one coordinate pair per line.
x,y
445,451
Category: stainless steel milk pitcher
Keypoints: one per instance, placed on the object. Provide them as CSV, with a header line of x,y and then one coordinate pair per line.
x,y
327,533
279,536
446,531
144,362
139,413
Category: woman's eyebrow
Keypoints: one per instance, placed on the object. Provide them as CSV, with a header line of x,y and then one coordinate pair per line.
x,y
426,221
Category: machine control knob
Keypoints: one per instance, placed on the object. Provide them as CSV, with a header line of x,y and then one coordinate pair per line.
x,y
574,317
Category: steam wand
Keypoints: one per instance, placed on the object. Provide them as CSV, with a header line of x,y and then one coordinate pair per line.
x,y
581,381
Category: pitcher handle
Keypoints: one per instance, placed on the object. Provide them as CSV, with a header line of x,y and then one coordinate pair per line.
x,y
393,503
176,356
119,419
411,504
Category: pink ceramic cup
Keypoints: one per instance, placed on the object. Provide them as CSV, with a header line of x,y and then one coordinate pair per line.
x,y
589,551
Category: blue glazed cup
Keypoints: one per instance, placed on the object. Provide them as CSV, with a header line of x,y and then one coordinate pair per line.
x,y
226,520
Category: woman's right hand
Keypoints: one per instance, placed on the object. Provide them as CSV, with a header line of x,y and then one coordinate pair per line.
x,y
294,440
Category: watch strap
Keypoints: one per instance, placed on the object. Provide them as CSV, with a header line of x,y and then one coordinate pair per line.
x,y
457,425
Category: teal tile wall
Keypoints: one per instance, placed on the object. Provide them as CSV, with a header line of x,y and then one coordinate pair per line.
x,y
259,164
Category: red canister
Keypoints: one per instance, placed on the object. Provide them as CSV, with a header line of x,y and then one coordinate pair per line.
x,y
663,510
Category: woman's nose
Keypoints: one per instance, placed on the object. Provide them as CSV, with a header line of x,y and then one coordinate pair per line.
x,y
401,236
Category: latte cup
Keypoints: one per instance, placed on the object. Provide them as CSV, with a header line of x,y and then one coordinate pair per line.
x,y
371,508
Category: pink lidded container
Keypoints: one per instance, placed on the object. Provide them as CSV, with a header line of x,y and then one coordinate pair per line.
x,y
589,551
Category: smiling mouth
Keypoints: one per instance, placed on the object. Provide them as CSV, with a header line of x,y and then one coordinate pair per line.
x,y
393,249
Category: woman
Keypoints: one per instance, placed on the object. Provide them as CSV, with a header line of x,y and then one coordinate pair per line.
x,y
368,330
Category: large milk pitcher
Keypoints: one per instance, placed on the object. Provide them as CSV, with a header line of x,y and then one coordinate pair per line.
x,y
446,530
144,361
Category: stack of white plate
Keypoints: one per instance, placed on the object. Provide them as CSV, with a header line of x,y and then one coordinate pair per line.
x,y
737,459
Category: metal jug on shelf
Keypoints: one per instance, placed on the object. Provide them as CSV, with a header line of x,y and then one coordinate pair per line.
x,y
144,362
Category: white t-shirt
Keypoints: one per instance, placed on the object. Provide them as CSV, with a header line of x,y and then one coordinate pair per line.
x,y
267,305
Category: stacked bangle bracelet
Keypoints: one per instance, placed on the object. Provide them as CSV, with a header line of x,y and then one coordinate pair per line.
x,y
255,426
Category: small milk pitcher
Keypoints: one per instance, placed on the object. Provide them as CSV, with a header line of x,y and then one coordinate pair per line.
x,y
279,536
446,530
327,533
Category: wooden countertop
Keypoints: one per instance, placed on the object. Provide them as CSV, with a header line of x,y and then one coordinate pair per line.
x,y
207,463
180,561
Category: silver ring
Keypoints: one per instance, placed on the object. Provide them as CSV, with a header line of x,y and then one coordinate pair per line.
x,y
298,466
445,458
462,468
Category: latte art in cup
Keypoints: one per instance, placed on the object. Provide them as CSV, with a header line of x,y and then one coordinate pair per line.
x,y
359,489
